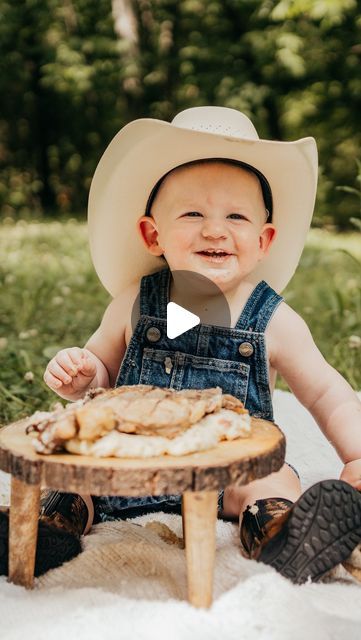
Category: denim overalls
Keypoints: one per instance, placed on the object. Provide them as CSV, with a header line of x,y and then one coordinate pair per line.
x,y
234,359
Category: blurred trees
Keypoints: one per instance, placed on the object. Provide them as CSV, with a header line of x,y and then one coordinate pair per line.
x,y
72,73
61,99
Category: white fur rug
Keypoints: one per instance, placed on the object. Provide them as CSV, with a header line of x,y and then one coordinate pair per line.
x,y
130,582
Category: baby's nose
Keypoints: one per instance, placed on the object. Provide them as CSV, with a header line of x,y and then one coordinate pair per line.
x,y
213,229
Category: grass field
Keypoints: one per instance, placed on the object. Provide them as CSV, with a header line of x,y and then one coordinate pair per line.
x,y
51,298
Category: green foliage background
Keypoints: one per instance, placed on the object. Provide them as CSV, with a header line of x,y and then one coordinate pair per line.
x,y
71,75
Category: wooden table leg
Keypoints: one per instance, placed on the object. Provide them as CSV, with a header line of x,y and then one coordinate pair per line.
x,y
23,531
199,526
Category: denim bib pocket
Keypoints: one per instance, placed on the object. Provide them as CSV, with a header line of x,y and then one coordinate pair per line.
x,y
177,370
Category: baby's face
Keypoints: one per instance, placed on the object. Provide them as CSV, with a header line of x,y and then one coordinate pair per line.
x,y
209,219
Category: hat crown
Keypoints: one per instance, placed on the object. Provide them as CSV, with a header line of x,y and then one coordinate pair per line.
x,y
218,120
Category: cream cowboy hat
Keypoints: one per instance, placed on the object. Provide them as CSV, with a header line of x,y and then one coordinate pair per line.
x,y
146,149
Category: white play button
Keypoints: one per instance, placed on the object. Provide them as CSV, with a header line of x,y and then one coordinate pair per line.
x,y
179,320
199,301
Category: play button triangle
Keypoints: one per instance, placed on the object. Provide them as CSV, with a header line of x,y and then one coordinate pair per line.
x,y
179,320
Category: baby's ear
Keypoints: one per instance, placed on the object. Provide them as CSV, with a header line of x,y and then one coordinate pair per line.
x,y
267,237
148,232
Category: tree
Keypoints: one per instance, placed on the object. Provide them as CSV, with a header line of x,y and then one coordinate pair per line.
x,y
74,73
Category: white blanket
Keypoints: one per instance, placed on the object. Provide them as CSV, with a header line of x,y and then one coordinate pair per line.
x,y
130,582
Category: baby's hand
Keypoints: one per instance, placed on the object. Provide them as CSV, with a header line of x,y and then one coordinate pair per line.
x,y
70,371
351,473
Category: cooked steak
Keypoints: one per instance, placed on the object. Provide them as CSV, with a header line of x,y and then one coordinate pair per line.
x,y
137,409
205,434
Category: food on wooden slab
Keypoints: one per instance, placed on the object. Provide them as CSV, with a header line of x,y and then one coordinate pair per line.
x,y
140,421
221,425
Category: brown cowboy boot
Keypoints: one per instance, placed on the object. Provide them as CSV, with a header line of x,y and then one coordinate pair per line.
x,y
307,538
267,511
63,518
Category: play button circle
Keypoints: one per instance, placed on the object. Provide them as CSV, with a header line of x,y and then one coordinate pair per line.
x,y
191,299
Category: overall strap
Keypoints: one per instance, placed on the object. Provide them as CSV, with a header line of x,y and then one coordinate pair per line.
x,y
154,293
259,308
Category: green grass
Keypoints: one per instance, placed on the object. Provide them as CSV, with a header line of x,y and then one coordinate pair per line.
x,y
326,292
51,298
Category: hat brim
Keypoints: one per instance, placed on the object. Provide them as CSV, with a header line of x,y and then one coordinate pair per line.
x,y
146,149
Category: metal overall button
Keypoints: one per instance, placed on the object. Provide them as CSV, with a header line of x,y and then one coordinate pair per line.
x,y
246,349
153,334
168,364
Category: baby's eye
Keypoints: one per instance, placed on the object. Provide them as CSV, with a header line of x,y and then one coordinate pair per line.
x,y
192,213
236,216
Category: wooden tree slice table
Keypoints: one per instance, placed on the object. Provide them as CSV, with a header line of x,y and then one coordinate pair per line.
x,y
197,476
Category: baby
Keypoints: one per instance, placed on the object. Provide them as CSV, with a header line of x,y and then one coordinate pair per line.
x,y
220,216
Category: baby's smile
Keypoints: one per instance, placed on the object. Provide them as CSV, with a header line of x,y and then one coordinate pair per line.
x,y
217,256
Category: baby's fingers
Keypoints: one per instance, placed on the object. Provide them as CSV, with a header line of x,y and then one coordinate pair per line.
x,y
88,367
69,360
51,381
57,373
